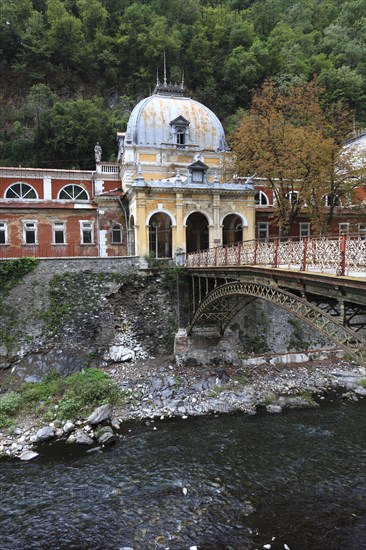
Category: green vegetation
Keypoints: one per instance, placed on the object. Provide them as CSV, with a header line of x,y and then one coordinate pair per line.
x,y
240,379
11,273
363,382
72,397
297,340
269,398
10,403
67,301
98,57
169,332
217,390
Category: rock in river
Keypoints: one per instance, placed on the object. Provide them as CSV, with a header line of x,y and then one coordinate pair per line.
x,y
45,433
106,436
99,415
28,455
83,438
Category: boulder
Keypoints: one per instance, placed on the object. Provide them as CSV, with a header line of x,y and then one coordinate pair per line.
x,y
120,354
274,409
68,427
82,438
99,415
106,436
45,433
28,455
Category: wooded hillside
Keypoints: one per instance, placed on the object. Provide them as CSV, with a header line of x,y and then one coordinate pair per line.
x,y
71,70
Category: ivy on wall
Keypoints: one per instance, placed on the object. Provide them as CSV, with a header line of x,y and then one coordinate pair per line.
x,y
11,273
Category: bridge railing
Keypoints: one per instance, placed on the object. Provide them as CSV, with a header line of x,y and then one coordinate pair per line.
x,y
343,255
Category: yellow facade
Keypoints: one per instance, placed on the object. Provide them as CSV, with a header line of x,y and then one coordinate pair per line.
x,y
173,172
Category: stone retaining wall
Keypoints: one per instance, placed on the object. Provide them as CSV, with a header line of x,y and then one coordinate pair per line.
x,y
26,304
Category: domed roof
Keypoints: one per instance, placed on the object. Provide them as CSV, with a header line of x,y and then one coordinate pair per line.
x,y
152,123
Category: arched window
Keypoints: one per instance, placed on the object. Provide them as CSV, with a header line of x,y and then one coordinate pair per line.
x,y
73,192
160,235
180,128
293,197
331,200
261,199
117,234
21,191
181,135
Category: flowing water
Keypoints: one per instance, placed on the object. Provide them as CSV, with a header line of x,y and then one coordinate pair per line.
x,y
231,482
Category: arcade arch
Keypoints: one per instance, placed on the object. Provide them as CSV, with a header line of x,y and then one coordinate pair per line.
x,y
160,235
232,228
197,232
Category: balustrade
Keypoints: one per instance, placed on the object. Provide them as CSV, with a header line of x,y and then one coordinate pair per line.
x,y
342,255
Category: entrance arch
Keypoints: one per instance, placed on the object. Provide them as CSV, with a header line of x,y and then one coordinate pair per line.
x,y
197,232
232,229
160,235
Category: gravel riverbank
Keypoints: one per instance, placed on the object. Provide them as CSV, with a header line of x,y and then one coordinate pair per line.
x,y
159,389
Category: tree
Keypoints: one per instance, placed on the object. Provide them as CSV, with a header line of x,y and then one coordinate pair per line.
x,y
288,138
74,129
347,163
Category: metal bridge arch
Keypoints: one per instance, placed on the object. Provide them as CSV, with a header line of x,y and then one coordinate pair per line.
x,y
222,303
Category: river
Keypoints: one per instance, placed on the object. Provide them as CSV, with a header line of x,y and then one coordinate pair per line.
x,y
231,482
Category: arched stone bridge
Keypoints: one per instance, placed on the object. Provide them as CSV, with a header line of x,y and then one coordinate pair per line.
x,y
334,305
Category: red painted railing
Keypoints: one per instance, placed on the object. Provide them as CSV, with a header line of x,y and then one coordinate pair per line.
x,y
344,255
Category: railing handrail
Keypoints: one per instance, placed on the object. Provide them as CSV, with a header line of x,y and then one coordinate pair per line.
x,y
339,253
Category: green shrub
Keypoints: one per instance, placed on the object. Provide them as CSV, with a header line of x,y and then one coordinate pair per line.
x,y
10,403
69,408
76,395
35,392
5,421
241,378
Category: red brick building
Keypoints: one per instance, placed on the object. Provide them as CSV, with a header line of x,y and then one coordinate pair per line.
x,y
61,213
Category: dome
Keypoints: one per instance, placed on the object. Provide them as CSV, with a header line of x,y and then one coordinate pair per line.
x,y
157,120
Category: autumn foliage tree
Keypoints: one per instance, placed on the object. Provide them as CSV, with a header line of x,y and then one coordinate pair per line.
x,y
289,139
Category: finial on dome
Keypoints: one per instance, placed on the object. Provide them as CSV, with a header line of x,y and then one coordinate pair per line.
x,y
168,88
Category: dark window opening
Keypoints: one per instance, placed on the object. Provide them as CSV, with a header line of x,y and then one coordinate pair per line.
x,y
181,137
59,237
87,236
117,234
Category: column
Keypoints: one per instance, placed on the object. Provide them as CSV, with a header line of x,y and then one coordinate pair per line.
x,y
179,238
142,232
217,229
